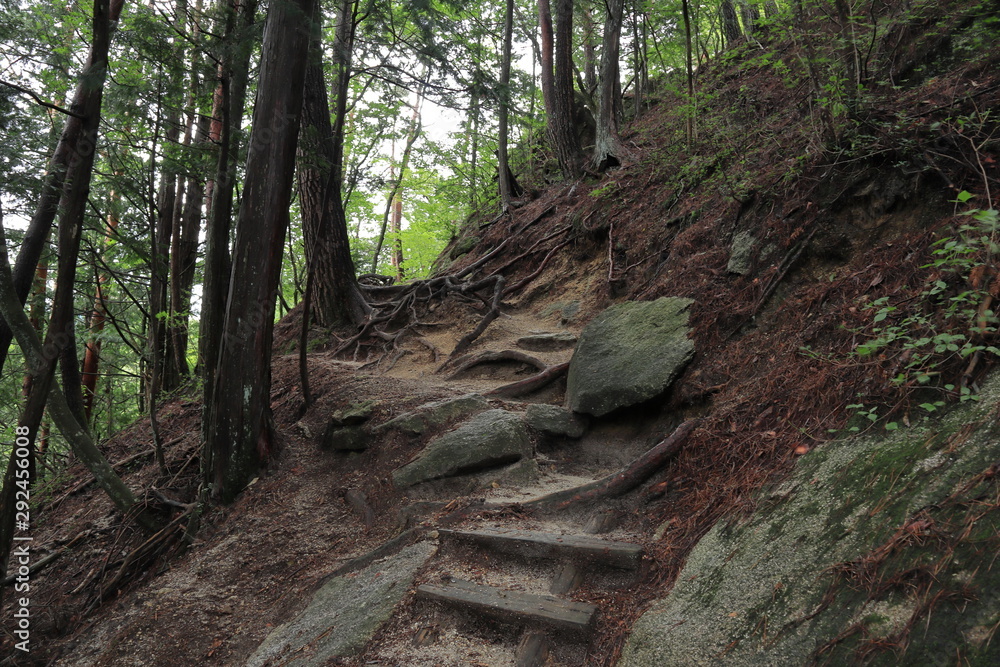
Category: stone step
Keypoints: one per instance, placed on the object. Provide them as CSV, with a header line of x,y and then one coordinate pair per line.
x,y
513,606
535,544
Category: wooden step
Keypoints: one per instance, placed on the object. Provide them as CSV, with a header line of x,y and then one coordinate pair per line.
x,y
513,606
534,544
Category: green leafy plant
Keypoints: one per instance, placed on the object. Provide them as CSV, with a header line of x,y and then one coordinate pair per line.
x,y
943,325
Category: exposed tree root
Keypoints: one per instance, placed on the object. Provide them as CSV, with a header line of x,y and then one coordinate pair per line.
x,y
470,361
396,308
532,384
624,480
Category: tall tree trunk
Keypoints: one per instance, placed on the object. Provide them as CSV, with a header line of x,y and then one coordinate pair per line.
x,y
589,43
691,112
503,166
562,132
86,102
231,93
608,148
730,22
547,56
750,15
335,298
241,431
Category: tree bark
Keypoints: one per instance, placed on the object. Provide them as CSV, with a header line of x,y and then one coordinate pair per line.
x,y
335,299
240,430
730,22
608,148
691,114
234,69
503,165
562,132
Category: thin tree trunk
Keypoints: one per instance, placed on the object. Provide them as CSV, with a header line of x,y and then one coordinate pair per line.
x,y
415,127
396,229
691,114
503,165
92,349
42,366
240,430
231,93
86,101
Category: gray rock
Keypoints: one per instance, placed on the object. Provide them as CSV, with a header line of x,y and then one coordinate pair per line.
x,y
554,420
774,589
547,342
436,413
741,253
343,614
628,354
346,438
352,415
489,439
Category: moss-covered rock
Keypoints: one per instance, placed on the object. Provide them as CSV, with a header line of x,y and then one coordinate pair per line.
x,y
629,354
343,614
436,413
490,439
554,420
877,550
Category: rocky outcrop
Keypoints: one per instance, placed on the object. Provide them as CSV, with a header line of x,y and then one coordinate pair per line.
x,y
629,354
488,440
876,548
343,614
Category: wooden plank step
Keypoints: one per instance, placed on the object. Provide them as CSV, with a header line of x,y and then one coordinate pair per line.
x,y
513,606
535,544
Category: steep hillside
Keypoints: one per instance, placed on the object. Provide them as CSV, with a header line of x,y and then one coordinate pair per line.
x,y
836,284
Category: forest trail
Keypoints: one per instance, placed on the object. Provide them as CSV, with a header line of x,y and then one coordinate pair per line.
x,y
317,512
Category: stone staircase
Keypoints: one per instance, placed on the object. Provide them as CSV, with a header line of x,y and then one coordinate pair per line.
x,y
527,578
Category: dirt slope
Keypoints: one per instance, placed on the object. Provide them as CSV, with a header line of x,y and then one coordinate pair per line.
x,y
836,221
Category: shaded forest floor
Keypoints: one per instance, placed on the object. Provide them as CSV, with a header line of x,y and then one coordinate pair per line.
x,y
840,214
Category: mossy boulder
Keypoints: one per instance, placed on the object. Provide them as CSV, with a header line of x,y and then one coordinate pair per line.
x,y
488,440
346,439
877,550
343,614
554,420
436,413
629,354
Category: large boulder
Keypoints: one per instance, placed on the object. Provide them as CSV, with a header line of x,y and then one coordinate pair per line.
x,y
874,543
343,614
488,440
628,354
